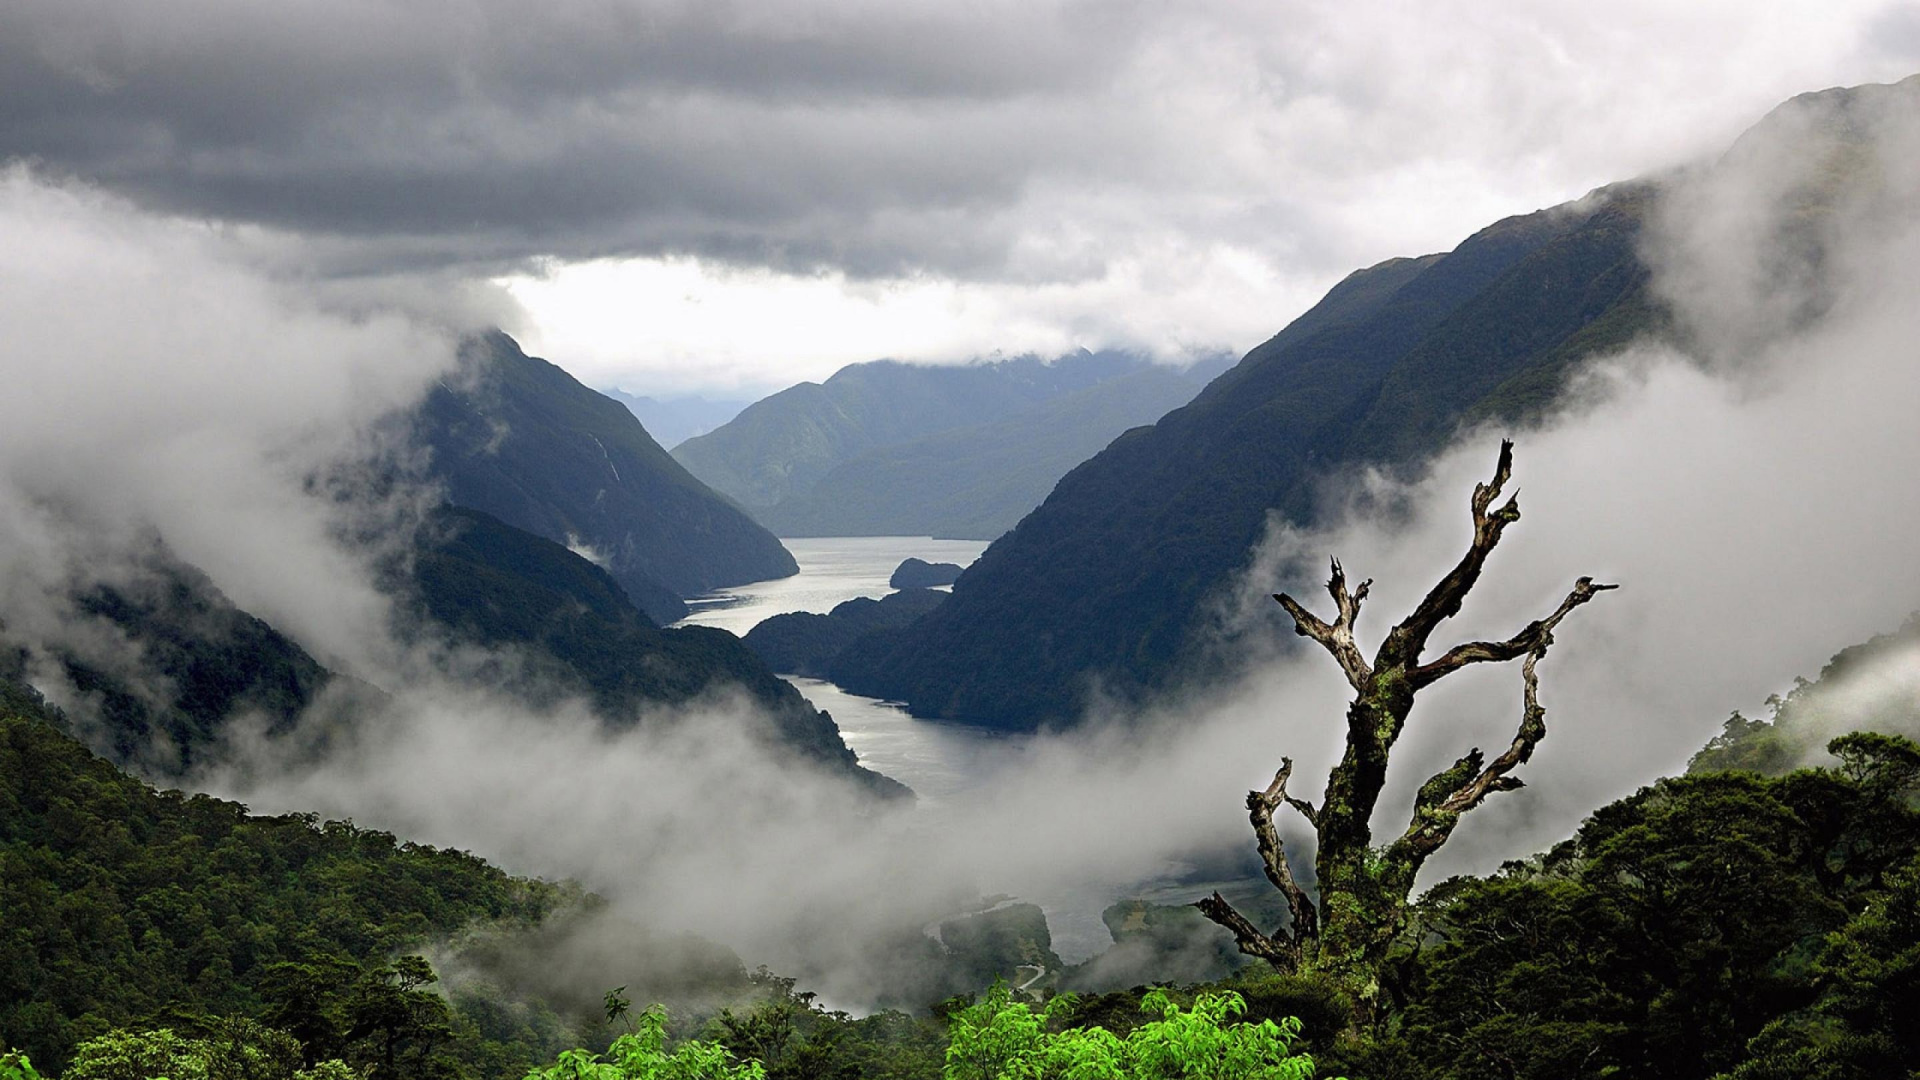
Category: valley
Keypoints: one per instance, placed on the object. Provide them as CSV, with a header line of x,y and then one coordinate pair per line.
x,y
1132,543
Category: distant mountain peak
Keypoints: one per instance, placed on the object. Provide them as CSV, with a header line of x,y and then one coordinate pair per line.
x,y
518,438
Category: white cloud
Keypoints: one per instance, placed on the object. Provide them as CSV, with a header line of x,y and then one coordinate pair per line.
x,y
1008,177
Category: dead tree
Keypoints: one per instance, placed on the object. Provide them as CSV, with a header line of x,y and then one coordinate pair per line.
x,y
1364,887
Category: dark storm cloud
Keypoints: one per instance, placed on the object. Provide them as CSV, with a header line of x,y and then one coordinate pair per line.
x,y
484,130
1197,171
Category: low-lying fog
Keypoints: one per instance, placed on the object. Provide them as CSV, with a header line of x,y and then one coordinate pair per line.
x,y
1753,498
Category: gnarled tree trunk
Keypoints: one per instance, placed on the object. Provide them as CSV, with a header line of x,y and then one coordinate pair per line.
x,y
1364,887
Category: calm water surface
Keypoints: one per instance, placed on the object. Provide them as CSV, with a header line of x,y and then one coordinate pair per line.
x,y
942,762
937,760
832,570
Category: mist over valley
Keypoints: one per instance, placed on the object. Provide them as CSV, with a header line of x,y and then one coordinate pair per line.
x,y
892,695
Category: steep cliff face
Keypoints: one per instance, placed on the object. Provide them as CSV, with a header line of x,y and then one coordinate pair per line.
x,y
518,438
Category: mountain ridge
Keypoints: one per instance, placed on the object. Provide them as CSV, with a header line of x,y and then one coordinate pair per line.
x,y
783,444
1110,579
518,438
1108,586
977,481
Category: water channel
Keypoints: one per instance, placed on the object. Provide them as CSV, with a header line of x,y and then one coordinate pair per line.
x,y
939,761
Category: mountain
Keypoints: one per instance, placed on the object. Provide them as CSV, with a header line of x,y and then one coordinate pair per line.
x,y
806,643
565,628
1112,579
783,445
673,420
1873,686
163,661
520,439
977,482
159,663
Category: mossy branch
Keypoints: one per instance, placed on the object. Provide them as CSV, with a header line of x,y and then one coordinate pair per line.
x,y
1281,953
1364,889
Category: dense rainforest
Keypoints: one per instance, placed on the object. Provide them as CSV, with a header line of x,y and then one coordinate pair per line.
x,y
1744,923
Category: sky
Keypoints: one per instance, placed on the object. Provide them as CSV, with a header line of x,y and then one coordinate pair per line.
x,y
726,198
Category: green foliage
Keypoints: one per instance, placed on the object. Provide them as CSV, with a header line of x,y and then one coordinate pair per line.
x,y
642,1054
795,1039
1864,688
999,1038
617,1006
233,1050
1745,745
1887,765
395,1022
130,908
1861,1025
1722,923
14,1065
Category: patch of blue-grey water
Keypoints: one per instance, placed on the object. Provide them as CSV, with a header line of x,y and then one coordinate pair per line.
x,y
942,762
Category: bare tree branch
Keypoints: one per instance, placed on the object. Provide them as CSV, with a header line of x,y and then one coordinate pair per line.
x,y
1405,642
1456,790
1363,906
1534,637
1261,806
1246,936
1337,636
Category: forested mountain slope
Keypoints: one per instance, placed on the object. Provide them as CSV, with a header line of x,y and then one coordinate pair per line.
x,y
781,446
561,627
520,439
977,482
163,662
1111,580
1108,578
1873,686
1724,925
160,665
125,904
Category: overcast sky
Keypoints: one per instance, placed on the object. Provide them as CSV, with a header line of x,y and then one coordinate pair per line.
x,y
732,197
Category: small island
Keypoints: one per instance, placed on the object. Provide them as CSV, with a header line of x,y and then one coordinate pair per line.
x,y
921,574
805,643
